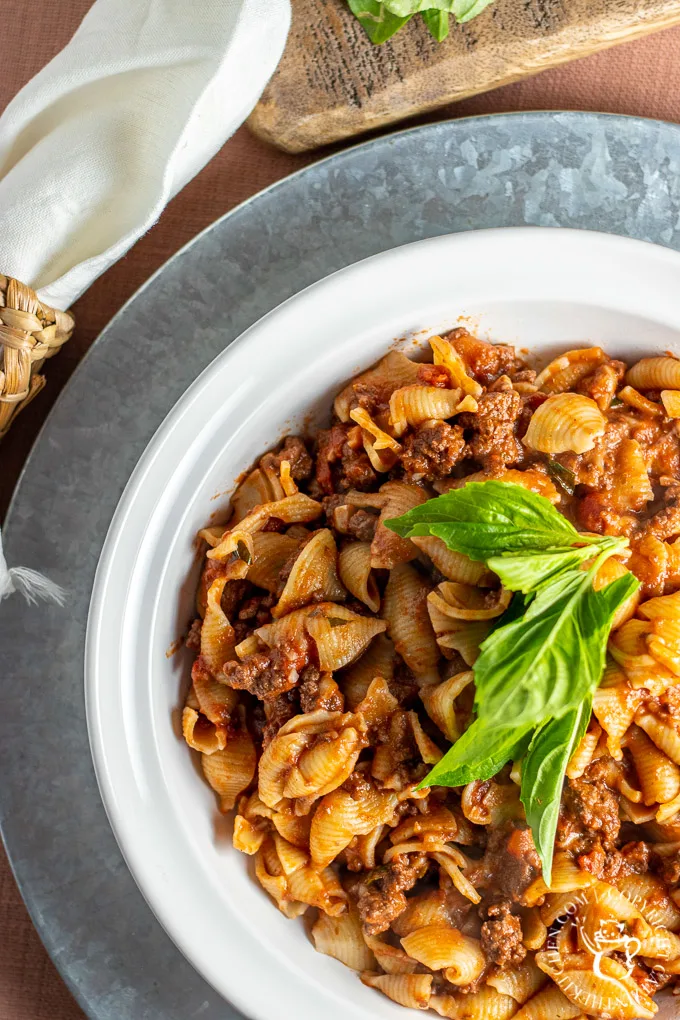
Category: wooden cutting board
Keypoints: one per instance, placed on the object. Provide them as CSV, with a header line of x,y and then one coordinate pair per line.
x,y
333,83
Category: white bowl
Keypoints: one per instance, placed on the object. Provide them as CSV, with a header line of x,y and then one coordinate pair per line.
x,y
541,289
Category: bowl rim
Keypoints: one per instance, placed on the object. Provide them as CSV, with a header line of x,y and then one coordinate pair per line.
x,y
562,244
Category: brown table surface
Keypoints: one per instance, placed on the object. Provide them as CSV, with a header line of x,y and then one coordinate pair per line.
x,y
641,78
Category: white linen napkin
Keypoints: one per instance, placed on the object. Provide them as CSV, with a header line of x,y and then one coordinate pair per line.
x,y
96,145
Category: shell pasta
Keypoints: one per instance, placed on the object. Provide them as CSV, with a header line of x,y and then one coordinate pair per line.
x,y
335,665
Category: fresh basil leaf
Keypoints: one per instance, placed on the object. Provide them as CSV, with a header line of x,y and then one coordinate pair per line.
x,y
479,753
466,10
462,10
437,24
543,771
379,22
565,478
552,657
484,518
409,7
529,571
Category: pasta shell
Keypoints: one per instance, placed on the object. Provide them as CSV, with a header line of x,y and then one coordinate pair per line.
x,y
441,947
649,894
519,982
270,552
612,990
421,910
462,636
664,643
532,479
566,421
671,403
216,701
660,945
614,708
377,660
253,491
549,1004
392,959
232,769
490,803
411,990
486,1004
446,355
439,701
534,931
454,565
378,703
387,548
583,755
655,374
270,876
276,763
341,937
392,371
200,734
318,889
412,405
381,439
466,602
291,628
339,642
427,748
217,634
659,777
339,817
294,828
313,576
295,509
248,837
610,571
325,766
354,566
566,371
405,610
663,734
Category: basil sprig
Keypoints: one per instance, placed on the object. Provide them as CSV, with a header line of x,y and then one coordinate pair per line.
x,y
538,668
382,18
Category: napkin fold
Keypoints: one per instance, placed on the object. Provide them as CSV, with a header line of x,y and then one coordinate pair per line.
x,y
96,145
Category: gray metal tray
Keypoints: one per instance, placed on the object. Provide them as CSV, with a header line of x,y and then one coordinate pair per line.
x,y
615,174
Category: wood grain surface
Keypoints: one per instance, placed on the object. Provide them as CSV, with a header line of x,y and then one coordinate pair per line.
x,y
333,83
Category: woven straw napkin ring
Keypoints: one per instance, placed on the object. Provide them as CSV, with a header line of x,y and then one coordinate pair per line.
x,y
30,332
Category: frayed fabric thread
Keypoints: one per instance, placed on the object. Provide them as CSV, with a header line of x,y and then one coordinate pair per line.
x,y
33,586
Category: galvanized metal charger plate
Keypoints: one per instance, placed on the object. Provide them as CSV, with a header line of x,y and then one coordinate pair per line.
x,y
615,174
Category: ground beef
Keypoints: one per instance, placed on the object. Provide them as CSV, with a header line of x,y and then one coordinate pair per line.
x,y
277,711
501,936
511,860
357,785
485,361
666,523
232,596
319,690
670,868
432,451
264,674
369,396
602,384
193,638
590,810
295,452
362,525
339,466
380,897
434,375
257,610
494,443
